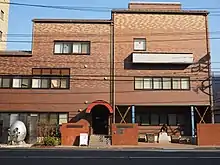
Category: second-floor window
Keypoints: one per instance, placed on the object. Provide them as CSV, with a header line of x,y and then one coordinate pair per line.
x,y
41,79
139,44
162,83
72,48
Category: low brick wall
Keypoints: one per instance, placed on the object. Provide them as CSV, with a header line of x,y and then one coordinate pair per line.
x,y
70,132
124,134
208,134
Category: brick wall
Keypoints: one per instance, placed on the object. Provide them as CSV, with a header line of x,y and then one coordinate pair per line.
x,y
124,134
155,6
81,90
208,134
170,33
70,132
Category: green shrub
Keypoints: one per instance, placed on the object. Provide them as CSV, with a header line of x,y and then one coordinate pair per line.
x,y
49,141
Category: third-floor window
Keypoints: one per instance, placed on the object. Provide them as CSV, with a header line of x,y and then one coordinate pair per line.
x,y
139,44
80,48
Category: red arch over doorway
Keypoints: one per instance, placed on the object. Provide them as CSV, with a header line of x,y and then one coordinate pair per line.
x,y
99,102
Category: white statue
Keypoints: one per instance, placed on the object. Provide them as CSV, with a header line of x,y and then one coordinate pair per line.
x,y
17,132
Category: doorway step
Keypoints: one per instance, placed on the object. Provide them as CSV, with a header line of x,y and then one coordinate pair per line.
x,y
99,141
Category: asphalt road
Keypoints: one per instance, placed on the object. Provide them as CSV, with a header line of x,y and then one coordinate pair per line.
x,y
106,157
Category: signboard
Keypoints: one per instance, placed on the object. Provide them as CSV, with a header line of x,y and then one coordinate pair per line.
x,y
83,140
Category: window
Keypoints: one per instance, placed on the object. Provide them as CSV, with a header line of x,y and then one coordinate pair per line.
x,y
140,44
53,78
163,119
43,118
164,83
36,83
147,83
2,14
72,48
63,118
181,83
157,83
176,83
6,82
143,119
80,48
184,83
21,83
53,118
172,119
139,83
59,83
167,83
154,119
180,119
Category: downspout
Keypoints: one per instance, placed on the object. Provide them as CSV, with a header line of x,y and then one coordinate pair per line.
x,y
112,67
209,70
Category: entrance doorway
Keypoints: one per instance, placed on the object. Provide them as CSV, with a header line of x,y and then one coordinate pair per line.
x,y
100,116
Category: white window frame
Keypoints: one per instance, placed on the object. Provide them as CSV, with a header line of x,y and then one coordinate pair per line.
x,y
139,44
155,79
167,80
63,118
139,80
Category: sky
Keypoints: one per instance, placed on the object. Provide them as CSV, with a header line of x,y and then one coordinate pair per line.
x,y
20,18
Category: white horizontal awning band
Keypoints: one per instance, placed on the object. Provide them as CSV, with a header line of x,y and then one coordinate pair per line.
x,y
162,58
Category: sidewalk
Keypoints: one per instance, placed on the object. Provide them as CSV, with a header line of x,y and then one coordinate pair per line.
x,y
140,146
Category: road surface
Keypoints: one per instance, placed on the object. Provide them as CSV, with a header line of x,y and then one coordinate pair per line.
x,y
106,157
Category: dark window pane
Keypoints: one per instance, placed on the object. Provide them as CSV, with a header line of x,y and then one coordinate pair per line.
x,y
172,119
25,83
154,119
145,119
6,82
63,83
44,83
163,119
43,118
53,118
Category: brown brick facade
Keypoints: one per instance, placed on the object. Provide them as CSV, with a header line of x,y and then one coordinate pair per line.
x,y
84,87
165,32
208,134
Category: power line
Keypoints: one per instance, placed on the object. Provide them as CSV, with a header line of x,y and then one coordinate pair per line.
x,y
64,34
188,39
97,9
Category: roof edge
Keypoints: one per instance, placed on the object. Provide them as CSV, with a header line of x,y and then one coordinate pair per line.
x,y
142,11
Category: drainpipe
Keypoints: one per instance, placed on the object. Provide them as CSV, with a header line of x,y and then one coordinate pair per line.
x,y
209,71
113,66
